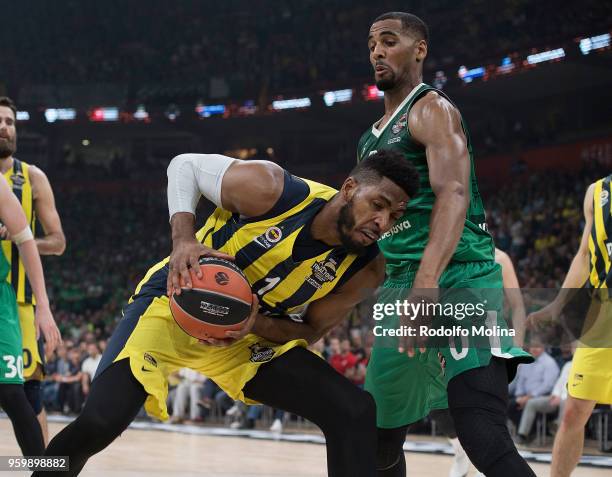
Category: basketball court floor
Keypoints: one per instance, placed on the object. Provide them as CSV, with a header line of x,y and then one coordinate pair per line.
x,y
164,450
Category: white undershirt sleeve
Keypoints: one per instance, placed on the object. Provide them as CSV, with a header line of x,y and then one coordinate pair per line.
x,y
193,175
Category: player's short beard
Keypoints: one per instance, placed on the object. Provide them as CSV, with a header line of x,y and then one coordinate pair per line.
x,y
345,225
8,148
386,83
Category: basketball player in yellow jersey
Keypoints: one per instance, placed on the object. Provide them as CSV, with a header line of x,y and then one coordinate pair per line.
x,y
34,193
310,255
590,378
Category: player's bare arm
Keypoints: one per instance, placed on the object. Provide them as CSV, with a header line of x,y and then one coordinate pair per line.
x,y
239,183
14,219
54,241
436,124
324,314
512,292
577,274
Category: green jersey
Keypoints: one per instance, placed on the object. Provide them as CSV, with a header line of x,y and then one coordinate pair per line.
x,y
408,238
11,361
4,268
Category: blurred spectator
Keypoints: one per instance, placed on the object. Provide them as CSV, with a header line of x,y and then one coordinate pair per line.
x,y
341,358
89,366
187,394
532,380
70,396
545,404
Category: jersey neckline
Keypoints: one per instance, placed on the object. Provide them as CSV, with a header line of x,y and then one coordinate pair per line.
x,y
378,132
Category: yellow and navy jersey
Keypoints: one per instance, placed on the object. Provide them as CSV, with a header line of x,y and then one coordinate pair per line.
x,y
284,264
600,240
18,178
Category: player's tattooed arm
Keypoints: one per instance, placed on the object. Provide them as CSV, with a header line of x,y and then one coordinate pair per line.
x,y
324,314
436,124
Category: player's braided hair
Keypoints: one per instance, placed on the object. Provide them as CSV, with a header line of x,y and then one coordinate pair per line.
x,y
392,165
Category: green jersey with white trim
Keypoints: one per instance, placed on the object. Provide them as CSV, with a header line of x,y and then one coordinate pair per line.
x,y
408,238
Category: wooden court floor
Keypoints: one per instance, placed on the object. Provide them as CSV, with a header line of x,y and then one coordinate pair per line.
x,y
139,453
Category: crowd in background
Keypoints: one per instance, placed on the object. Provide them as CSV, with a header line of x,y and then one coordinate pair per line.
x,y
281,46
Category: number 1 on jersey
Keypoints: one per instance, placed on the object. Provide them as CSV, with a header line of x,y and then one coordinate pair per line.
x,y
271,283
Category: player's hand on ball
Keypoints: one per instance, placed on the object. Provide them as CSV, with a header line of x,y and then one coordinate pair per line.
x,y
233,336
184,260
45,324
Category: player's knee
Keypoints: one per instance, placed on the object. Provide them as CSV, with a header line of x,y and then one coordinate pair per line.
x,y
361,410
33,393
483,435
94,428
576,413
390,448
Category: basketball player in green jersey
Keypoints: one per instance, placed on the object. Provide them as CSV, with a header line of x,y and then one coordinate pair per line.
x,y
13,399
440,243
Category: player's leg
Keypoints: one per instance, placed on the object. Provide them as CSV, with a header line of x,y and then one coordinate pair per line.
x,y
446,427
478,400
27,430
33,392
300,382
113,402
44,427
12,395
390,457
569,440
33,364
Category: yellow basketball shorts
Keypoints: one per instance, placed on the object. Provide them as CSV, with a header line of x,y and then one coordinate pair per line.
x,y
590,376
33,350
156,346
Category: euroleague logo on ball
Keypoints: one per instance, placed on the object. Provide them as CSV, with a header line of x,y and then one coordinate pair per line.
x,y
221,278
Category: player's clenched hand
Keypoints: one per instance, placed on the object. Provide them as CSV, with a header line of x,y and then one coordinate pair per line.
x,y
416,341
184,259
233,336
4,233
544,317
45,324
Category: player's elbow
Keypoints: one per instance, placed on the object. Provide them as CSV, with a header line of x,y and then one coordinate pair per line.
x,y
176,164
314,334
54,244
60,246
454,191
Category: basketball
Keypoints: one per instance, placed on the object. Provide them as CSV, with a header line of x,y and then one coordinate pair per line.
x,y
220,301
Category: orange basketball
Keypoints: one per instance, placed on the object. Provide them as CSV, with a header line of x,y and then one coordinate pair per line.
x,y
218,302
